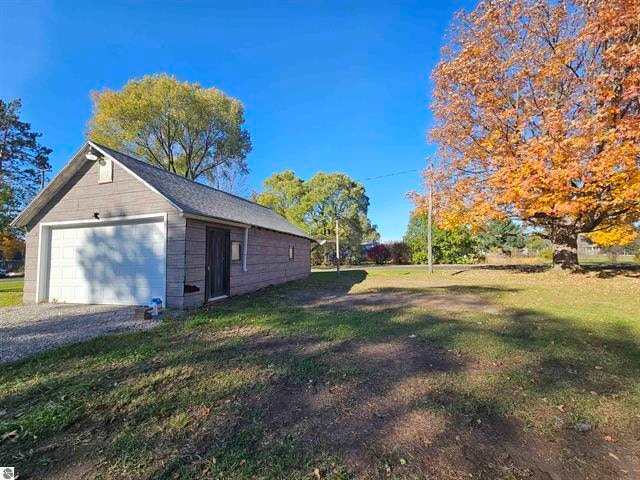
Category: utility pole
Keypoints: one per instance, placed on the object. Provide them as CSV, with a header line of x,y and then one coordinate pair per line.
x,y
337,247
429,216
429,242
43,178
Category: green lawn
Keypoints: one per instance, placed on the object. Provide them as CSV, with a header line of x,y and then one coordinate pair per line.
x,y
10,292
462,374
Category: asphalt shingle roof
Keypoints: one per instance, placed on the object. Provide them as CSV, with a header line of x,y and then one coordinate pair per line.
x,y
197,199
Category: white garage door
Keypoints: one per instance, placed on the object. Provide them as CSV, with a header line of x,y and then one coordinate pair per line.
x,y
120,263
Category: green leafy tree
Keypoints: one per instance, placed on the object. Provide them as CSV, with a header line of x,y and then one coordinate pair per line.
x,y
21,159
536,244
283,193
503,235
179,126
369,230
331,196
315,205
456,245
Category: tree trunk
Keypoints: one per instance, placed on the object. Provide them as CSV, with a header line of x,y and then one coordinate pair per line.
x,y
565,249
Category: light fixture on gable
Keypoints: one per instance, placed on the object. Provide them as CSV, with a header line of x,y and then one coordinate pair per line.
x,y
92,155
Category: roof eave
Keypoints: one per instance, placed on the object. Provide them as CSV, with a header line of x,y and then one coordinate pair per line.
x,y
208,218
32,209
223,221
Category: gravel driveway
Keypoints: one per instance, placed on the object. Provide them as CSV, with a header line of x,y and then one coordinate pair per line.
x,y
27,329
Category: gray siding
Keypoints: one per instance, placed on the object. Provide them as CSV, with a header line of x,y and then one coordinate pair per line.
x,y
125,196
267,260
267,257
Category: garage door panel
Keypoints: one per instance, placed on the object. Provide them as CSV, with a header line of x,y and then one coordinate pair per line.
x,y
54,292
56,273
113,264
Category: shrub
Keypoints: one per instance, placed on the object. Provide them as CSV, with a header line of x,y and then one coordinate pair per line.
x,y
457,245
419,258
399,252
379,254
546,254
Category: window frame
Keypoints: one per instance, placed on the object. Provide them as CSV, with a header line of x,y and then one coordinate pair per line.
x,y
292,253
105,170
239,259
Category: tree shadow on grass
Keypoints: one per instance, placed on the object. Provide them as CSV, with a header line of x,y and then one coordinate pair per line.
x,y
610,271
262,388
507,268
600,271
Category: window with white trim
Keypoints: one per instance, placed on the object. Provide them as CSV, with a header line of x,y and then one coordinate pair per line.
x,y
236,251
291,252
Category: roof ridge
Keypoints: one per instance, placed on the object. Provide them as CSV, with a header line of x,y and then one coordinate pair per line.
x,y
181,177
185,195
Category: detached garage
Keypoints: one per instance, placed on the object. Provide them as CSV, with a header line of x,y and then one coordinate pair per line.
x,y
110,229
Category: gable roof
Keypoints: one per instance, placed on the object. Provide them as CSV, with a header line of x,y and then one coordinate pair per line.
x,y
185,195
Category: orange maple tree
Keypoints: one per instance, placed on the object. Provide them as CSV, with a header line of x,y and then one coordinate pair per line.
x,y
537,117
619,236
10,246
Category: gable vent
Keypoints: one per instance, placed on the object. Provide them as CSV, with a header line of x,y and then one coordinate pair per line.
x,y
105,170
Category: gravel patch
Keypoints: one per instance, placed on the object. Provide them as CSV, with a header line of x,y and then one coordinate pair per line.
x,y
28,329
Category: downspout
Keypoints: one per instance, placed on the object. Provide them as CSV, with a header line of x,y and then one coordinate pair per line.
x,y
245,249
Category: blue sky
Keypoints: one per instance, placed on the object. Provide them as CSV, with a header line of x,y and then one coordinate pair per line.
x,y
327,86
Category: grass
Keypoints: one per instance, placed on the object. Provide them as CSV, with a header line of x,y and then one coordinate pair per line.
x,y
479,372
603,259
10,292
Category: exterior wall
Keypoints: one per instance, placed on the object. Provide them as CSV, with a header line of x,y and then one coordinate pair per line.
x,y
267,260
125,196
267,257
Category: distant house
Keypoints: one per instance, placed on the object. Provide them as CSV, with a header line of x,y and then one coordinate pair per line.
x,y
110,229
587,247
368,246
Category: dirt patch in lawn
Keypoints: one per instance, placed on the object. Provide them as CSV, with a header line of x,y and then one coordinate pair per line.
x,y
382,408
393,299
353,412
395,418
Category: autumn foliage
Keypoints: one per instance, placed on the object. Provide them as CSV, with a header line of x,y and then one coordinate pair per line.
x,y
379,254
11,247
537,111
619,236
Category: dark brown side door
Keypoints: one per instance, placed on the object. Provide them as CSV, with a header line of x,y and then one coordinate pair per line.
x,y
218,264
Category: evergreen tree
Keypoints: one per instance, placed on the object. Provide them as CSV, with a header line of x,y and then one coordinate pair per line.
x,y
21,160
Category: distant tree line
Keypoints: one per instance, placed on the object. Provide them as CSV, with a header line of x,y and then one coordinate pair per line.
x,y
497,238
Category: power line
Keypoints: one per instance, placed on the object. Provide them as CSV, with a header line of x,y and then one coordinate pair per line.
x,y
392,174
